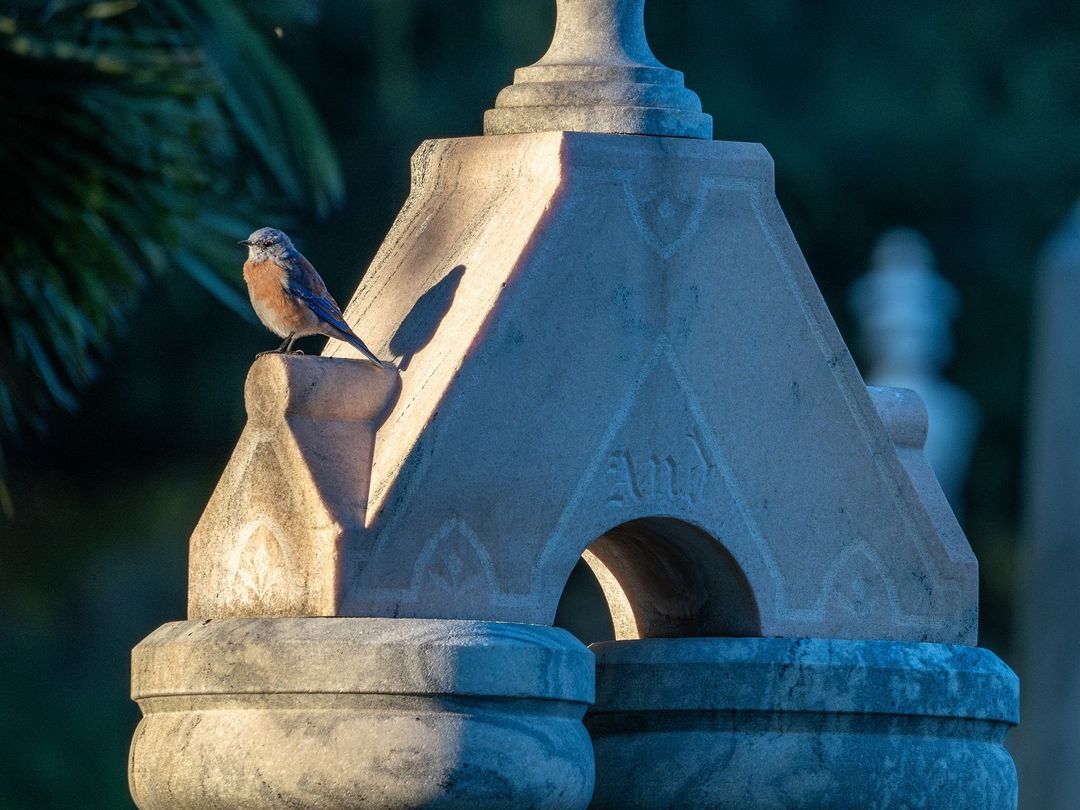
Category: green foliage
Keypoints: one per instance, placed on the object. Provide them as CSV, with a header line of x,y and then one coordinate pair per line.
x,y
135,138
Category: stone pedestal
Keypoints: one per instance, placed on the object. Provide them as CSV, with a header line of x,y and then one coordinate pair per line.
x,y
801,723
609,348
365,713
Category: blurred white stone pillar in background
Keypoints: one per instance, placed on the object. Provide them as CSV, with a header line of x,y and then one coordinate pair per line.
x,y
1048,594
904,309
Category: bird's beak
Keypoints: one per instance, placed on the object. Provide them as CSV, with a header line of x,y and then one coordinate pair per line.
x,y
244,242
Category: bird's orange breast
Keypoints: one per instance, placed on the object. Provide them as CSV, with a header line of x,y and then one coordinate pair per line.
x,y
280,312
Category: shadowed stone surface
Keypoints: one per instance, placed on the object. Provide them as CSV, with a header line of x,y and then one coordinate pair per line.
x,y
801,723
365,713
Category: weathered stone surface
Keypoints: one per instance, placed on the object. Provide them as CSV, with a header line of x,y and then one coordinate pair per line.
x,y
801,723
1048,596
371,713
282,527
599,75
597,329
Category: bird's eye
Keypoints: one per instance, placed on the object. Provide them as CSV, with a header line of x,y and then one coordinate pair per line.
x,y
267,243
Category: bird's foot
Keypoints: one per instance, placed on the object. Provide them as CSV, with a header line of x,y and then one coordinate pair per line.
x,y
278,351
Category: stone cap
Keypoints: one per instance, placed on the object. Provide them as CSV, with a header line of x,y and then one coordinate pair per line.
x,y
903,413
806,675
339,389
599,75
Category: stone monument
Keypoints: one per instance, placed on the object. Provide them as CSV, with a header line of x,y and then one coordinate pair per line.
x,y
1048,750
904,307
609,348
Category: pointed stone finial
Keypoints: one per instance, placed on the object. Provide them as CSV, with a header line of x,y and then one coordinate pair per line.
x,y
599,75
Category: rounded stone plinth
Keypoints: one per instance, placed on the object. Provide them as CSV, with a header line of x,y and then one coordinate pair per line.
x,y
372,713
801,723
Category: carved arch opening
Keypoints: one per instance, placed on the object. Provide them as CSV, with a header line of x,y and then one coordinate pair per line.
x,y
658,577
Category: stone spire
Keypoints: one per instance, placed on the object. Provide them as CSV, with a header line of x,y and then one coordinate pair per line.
x,y
599,75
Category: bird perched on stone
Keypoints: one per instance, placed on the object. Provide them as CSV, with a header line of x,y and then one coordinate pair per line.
x,y
289,296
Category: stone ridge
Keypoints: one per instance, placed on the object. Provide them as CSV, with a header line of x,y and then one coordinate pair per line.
x,y
386,656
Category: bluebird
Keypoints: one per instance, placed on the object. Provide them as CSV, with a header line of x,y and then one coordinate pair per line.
x,y
289,296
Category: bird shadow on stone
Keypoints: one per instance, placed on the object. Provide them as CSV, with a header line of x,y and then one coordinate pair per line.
x,y
423,320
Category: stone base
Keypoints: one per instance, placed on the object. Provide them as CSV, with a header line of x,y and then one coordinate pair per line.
x,y
801,723
372,713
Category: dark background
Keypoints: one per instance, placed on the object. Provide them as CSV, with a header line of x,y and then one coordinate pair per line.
x,y
959,119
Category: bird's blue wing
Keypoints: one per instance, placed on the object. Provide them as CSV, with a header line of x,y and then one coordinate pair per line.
x,y
322,305
303,282
328,311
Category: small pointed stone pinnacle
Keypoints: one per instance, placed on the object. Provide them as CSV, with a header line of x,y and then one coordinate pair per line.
x,y
599,75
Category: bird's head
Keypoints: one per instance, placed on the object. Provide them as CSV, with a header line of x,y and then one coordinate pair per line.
x,y
267,243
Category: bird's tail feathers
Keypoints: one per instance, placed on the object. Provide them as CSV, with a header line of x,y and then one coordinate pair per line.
x,y
350,338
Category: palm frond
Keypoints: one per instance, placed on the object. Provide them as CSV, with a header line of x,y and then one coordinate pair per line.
x,y
130,135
